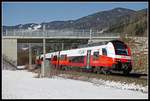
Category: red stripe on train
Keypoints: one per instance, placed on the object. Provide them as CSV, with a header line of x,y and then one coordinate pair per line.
x,y
102,60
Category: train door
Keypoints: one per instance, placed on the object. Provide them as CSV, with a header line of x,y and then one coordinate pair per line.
x,y
88,59
58,59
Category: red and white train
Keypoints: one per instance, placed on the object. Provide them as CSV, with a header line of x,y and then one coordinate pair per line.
x,y
100,57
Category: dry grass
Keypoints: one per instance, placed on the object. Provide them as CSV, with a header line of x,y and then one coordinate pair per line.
x,y
140,63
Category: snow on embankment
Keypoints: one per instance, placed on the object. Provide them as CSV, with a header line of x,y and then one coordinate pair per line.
x,y
119,85
23,85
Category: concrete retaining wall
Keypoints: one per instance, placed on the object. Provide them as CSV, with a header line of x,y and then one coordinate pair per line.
x,y
9,49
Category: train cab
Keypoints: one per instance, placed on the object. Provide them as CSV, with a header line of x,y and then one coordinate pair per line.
x,y
122,57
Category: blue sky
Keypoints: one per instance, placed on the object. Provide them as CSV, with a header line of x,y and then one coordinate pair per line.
x,y
14,13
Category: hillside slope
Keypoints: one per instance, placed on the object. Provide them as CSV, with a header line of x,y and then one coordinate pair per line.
x,y
120,20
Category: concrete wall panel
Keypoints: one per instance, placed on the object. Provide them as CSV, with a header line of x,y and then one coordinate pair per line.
x,y
9,49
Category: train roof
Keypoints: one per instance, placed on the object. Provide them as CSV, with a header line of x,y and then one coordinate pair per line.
x,y
93,44
98,43
115,41
85,46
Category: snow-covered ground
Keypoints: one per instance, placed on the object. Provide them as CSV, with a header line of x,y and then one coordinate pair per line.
x,y
21,84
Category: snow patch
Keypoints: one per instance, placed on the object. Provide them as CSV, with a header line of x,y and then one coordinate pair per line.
x,y
25,48
21,85
119,85
20,26
21,67
37,27
29,28
31,25
102,31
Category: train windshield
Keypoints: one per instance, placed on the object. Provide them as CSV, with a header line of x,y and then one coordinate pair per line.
x,y
120,48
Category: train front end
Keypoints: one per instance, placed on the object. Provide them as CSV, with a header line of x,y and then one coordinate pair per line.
x,y
122,59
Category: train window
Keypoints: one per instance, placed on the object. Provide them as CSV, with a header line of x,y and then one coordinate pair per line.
x,y
55,58
104,51
120,48
63,57
51,56
96,55
77,59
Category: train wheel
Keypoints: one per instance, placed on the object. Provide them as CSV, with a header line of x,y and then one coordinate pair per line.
x,y
95,70
126,72
92,69
66,68
63,68
98,70
126,69
105,70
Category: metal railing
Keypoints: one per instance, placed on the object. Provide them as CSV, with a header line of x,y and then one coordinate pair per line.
x,y
58,33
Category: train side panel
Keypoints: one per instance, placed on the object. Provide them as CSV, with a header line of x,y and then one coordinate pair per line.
x,y
113,55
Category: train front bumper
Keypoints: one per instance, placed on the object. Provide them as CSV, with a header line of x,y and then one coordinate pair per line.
x,y
122,66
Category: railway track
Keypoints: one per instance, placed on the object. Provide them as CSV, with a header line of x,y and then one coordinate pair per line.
x,y
119,74
137,78
131,75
